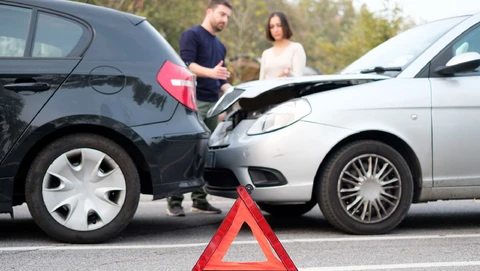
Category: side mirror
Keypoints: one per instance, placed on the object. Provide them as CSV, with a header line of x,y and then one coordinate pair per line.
x,y
466,62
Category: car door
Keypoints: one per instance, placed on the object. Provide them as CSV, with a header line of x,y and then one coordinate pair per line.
x,y
456,118
38,50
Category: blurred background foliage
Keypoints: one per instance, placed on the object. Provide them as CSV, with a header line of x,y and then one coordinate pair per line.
x,y
333,32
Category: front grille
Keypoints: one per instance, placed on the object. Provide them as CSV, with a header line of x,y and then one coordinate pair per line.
x,y
220,179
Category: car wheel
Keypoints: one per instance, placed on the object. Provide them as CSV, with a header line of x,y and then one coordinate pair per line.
x,y
287,209
366,188
82,188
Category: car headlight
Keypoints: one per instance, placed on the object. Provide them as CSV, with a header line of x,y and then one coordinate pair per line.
x,y
281,116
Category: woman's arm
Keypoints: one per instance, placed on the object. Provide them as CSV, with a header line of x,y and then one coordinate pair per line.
x,y
299,60
262,66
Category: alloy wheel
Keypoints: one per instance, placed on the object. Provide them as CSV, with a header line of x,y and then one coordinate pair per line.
x,y
369,188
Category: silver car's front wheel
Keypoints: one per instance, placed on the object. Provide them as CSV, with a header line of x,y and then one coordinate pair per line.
x,y
82,188
365,188
369,188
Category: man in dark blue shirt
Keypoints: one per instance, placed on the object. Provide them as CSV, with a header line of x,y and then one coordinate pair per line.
x,y
204,55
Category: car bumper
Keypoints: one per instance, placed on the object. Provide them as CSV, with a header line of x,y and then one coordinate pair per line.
x,y
176,152
289,159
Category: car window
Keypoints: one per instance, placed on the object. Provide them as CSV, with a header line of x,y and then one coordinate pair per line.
x,y
14,24
469,43
58,37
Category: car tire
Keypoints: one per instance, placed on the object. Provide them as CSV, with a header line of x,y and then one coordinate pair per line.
x,y
355,200
82,188
287,210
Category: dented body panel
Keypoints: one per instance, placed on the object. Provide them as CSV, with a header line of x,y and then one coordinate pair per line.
x,y
257,94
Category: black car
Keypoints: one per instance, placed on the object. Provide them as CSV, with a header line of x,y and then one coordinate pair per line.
x,y
95,108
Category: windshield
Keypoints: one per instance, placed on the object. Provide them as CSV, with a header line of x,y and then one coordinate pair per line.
x,y
402,49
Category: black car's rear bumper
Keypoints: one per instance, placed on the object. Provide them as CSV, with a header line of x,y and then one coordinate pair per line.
x,y
180,164
176,151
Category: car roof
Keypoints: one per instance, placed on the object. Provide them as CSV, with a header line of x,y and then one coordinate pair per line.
x,y
76,8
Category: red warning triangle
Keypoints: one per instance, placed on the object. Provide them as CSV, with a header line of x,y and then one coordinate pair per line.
x,y
244,211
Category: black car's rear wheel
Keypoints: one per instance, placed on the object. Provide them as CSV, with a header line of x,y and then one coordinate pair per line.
x,y
82,188
366,188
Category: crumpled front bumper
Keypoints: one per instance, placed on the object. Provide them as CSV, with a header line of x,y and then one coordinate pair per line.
x,y
293,154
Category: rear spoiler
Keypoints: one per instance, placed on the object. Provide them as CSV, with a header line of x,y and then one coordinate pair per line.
x,y
134,19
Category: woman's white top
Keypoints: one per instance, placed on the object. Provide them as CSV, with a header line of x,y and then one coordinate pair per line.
x,y
293,57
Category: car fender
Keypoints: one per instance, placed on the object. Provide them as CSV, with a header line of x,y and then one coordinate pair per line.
x,y
400,107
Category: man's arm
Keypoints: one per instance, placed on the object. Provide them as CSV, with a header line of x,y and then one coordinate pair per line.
x,y
188,53
224,88
218,72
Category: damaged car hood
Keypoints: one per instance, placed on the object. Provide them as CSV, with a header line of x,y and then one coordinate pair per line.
x,y
253,89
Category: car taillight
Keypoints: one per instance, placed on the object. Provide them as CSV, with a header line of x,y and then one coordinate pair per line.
x,y
179,82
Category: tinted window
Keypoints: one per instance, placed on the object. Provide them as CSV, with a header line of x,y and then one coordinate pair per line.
x,y
58,37
14,24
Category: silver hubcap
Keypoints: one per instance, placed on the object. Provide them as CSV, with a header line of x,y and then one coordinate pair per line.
x,y
84,189
369,188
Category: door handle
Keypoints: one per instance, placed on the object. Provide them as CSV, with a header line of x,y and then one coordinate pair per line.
x,y
35,87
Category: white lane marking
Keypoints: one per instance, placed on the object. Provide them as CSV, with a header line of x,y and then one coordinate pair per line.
x,y
285,241
100,247
391,266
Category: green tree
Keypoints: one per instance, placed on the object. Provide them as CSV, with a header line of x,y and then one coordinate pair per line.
x,y
321,22
171,19
365,32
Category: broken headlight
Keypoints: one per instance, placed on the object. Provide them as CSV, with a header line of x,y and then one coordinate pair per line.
x,y
281,116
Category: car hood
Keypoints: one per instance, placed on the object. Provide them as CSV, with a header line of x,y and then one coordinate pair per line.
x,y
253,89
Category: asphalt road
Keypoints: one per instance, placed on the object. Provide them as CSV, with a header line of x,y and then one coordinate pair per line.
x,y
434,236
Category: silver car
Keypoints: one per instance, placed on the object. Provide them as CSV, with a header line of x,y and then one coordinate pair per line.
x,y
398,126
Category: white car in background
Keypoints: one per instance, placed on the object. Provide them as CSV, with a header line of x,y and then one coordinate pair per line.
x,y
398,126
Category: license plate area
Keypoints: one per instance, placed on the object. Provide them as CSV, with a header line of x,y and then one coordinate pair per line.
x,y
210,161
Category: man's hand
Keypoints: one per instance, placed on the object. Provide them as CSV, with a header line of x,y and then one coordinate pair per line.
x,y
220,72
222,116
223,88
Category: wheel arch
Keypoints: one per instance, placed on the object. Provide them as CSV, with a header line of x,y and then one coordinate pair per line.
x,y
138,158
393,141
